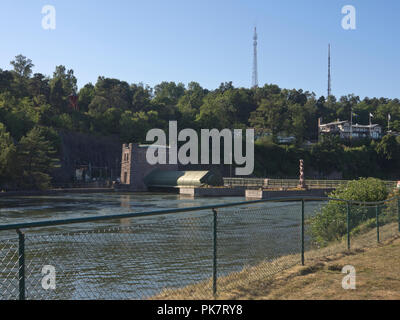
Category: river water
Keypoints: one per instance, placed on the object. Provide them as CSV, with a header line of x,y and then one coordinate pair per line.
x,y
138,258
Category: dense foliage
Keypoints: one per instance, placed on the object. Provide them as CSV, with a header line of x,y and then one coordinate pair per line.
x,y
331,222
113,107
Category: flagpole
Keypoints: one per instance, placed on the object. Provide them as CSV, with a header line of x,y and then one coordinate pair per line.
x,y
351,123
370,125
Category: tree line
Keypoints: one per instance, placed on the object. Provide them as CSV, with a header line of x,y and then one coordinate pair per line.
x,y
34,107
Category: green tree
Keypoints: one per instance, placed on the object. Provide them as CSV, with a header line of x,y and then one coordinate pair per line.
x,y
270,114
85,97
116,94
388,148
18,114
134,126
141,97
36,160
189,104
21,74
327,155
58,97
168,93
298,122
22,66
7,157
39,88
6,79
218,111
67,79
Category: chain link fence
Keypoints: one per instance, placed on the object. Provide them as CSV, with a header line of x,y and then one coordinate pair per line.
x,y
365,225
9,277
195,255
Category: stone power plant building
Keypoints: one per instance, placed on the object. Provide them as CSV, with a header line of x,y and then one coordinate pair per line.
x,y
134,165
138,175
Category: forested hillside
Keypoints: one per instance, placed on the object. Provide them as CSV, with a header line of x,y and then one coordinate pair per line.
x,y
34,108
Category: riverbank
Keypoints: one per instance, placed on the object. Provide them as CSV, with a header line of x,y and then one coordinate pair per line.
x,y
320,278
377,277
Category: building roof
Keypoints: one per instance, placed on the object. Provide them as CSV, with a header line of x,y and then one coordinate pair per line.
x,y
335,123
365,126
164,178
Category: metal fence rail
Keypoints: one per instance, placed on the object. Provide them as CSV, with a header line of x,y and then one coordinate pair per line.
x,y
194,252
291,183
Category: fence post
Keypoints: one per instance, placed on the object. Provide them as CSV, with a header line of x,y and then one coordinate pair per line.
x,y
398,210
377,223
21,264
302,232
348,225
215,275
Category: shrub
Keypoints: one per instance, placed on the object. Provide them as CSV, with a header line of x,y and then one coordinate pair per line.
x,y
390,213
330,223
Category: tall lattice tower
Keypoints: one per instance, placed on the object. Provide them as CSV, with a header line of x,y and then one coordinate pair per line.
x,y
255,67
329,71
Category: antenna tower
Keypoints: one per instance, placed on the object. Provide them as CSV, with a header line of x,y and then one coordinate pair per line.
x,y
329,71
255,67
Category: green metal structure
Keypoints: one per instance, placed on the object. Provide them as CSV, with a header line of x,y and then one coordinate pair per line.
x,y
175,179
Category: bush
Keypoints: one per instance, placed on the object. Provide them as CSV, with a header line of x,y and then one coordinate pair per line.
x,y
330,223
390,212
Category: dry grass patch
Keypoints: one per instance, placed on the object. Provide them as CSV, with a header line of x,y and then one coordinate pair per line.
x,y
377,274
377,278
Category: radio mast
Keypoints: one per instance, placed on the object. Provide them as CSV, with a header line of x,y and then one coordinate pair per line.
x,y
255,67
329,71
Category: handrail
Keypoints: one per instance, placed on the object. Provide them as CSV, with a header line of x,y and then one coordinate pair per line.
x,y
291,182
48,223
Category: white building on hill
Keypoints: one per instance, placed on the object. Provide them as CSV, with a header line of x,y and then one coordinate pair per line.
x,y
344,130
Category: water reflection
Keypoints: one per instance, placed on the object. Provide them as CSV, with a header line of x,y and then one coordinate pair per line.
x,y
137,258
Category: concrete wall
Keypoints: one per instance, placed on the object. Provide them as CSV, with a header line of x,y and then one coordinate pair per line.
x,y
264,194
83,149
212,192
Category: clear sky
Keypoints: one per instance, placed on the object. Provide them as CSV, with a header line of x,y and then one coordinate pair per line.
x,y
210,41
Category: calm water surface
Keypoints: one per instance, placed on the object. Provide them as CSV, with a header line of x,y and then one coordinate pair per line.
x,y
137,258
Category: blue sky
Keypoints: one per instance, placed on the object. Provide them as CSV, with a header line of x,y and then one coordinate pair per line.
x,y
211,42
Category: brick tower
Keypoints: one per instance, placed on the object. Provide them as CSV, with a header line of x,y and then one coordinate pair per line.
x,y
134,165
